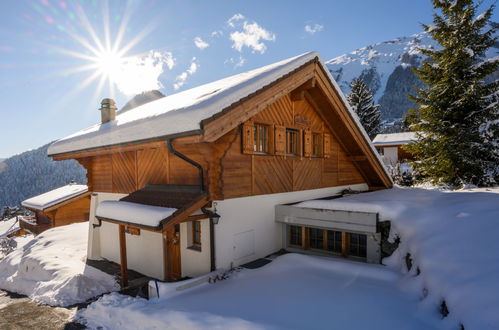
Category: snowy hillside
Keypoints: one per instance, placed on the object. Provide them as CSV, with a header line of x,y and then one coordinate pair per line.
x,y
32,173
386,68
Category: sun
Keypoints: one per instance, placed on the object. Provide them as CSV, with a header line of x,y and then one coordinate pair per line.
x,y
109,64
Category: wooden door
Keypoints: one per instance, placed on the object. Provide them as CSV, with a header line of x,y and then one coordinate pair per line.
x,y
173,247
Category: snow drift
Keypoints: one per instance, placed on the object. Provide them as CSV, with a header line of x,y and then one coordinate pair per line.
x,y
51,268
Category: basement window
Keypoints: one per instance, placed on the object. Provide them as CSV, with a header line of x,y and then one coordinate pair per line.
x,y
334,241
292,142
316,238
295,237
357,245
261,142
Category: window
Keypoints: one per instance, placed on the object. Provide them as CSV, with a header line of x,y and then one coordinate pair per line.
x,y
316,237
261,138
334,241
381,151
295,235
357,245
316,145
292,142
196,234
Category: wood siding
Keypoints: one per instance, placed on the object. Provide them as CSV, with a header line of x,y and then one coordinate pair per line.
x,y
76,211
246,175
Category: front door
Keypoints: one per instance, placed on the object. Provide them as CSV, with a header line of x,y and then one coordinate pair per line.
x,y
173,252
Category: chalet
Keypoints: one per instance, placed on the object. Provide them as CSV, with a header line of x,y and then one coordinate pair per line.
x,y
58,207
190,182
390,145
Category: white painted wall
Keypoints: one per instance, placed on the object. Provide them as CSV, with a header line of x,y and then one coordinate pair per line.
x,y
247,229
144,252
194,262
390,156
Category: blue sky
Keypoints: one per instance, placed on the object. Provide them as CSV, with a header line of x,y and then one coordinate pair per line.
x,y
53,73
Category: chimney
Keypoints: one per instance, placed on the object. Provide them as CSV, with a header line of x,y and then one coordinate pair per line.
x,y
107,110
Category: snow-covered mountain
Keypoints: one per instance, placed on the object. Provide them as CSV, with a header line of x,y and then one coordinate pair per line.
x,y
32,173
386,68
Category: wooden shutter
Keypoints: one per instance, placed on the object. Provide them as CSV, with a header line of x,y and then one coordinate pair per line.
x,y
307,143
327,145
280,140
248,138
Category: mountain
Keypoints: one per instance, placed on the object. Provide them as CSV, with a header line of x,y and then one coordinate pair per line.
x,y
32,173
386,67
142,98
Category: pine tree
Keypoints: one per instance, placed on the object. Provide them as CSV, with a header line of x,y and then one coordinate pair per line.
x,y
457,114
361,101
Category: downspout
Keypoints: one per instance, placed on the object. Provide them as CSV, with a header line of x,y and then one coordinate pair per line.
x,y
190,161
212,215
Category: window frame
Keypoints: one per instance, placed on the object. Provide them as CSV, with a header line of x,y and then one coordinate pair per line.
x,y
196,235
260,148
357,247
317,149
296,139
299,235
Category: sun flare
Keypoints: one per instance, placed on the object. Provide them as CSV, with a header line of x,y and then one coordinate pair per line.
x,y
109,64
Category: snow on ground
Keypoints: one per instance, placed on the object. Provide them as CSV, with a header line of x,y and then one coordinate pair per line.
x,y
452,239
292,292
51,268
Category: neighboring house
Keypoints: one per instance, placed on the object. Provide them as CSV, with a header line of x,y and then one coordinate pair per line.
x,y
58,207
10,227
190,183
389,146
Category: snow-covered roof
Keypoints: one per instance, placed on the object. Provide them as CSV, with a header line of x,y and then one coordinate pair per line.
x,y
395,138
140,214
8,226
178,113
55,196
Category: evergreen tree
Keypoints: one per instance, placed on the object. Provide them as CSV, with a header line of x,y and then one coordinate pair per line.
x,y
361,101
457,114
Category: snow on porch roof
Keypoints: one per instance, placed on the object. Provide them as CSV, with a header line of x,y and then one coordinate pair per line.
x,y
181,112
153,205
395,138
140,214
54,197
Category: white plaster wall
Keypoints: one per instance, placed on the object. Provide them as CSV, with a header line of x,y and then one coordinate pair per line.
x,y
391,155
247,229
144,252
195,263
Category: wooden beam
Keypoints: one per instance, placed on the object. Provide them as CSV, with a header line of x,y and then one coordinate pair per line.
x,y
344,244
123,258
184,215
166,256
359,158
131,146
249,107
197,217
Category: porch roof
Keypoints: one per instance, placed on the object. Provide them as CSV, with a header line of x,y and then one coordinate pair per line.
x,y
154,206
